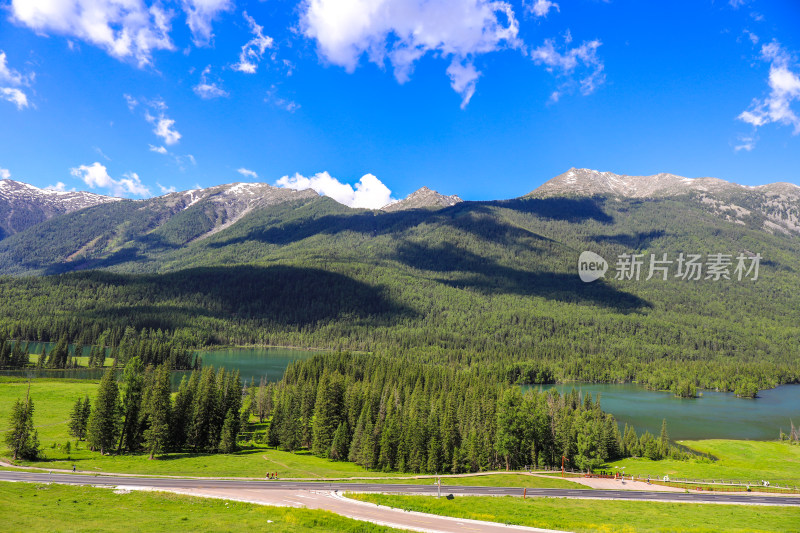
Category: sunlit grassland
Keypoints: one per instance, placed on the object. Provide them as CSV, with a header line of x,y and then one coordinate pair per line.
x,y
600,515
29,507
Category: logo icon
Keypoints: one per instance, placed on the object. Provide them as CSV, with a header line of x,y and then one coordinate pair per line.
x,y
591,267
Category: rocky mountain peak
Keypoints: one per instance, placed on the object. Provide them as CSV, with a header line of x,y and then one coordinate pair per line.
x,y
423,198
775,206
23,205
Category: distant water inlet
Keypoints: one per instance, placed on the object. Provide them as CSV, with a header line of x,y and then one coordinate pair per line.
x,y
252,363
714,415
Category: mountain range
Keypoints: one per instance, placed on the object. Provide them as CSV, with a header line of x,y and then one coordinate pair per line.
x,y
197,214
432,276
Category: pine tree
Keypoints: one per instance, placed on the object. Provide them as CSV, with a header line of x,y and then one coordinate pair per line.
x,y
510,427
182,412
132,392
229,432
42,362
630,441
664,439
158,411
19,357
202,433
59,356
263,400
21,438
79,418
340,444
328,414
104,421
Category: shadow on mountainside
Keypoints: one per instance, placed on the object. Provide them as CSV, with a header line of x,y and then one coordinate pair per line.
x,y
469,270
284,295
374,223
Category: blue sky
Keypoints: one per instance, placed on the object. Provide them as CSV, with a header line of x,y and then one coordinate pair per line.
x,y
484,99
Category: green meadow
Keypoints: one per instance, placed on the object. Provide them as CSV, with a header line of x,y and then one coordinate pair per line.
x,y
605,515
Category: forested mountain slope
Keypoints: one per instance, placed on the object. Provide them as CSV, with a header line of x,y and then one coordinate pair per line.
x,y
490,282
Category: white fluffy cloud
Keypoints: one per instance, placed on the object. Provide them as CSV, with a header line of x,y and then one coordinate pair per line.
x,y
10,80
247,173
164,127
10,76
158,149
369,191
254,49
166,190
59,186
405,30
123,28
96,176
15,96
540,8
207,89
578,65
5,174
784,84
199,16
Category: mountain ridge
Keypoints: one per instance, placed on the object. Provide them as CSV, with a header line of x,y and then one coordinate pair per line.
x,y
423,198
776,204
23,205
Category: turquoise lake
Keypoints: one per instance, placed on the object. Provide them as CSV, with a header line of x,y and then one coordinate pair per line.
x,y
714,415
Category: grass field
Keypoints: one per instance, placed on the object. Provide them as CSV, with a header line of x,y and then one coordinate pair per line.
x,y
82,361
53,400
596,515
28,507
777,462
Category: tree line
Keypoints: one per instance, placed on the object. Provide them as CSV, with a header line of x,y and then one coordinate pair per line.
x,y
389,414
395,414
151,347
139,414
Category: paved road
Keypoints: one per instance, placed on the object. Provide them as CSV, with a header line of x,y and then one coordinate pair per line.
x,y
323,495
691,497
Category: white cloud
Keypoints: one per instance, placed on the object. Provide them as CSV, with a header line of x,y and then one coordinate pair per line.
x,y
273,98
96,176
5,174
60,186
199,16
369,191
745,143
463,78
540,8
254,49
9,76
405,30
247,173
15,96
736,4
784,84
158,149
131,101
123,28
164,128
208,89
166,190
579,66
